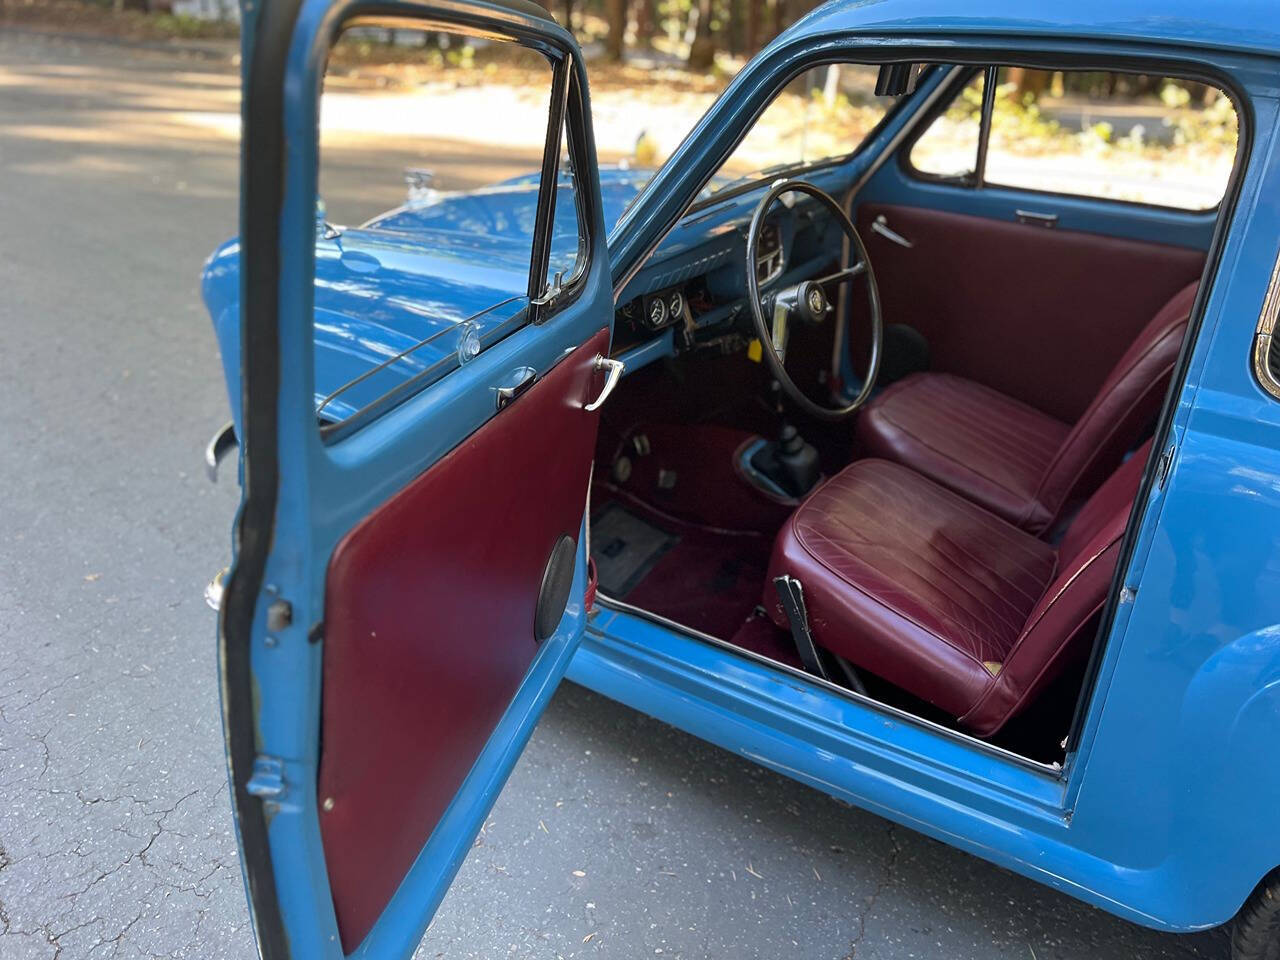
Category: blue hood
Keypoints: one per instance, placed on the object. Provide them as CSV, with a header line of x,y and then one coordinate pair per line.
x,y
415,274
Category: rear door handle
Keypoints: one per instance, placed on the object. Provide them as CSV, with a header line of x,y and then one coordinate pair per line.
x,y
615,368
881,226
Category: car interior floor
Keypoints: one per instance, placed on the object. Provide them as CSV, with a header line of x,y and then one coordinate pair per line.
x,y
677,530
674,530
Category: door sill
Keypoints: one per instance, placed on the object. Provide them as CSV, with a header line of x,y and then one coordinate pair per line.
x,y
1055,771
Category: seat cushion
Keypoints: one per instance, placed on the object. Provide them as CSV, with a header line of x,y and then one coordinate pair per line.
x,y
987,447
910,581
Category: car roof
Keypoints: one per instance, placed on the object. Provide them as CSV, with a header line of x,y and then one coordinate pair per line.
x,y
1242,25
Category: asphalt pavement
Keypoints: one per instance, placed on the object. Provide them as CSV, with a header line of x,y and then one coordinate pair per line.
x,y
616,836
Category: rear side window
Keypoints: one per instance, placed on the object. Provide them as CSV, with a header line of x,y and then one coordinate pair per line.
x,y
1115,136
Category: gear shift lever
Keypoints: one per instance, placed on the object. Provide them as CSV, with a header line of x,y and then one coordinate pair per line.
x,y
789,462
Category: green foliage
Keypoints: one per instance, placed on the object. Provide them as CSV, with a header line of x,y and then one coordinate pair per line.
x,y
1020,124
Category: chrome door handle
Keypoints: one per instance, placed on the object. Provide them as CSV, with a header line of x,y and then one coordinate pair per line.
x,y
213,592
615,368
222,443
881,226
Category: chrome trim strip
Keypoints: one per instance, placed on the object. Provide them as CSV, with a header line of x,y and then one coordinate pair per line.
x,y
1052,770
1267,378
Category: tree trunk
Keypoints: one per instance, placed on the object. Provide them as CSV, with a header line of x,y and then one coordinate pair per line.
x,y
1029,84
702,51
780,18
615,42
646,23
754,40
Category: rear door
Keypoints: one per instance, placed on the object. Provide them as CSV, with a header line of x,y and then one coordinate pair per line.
x,y
410,573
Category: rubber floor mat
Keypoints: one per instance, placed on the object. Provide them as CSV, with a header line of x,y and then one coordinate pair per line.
x,y
625,548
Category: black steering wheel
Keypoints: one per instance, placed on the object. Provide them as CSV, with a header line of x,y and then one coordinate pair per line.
x,y
807,302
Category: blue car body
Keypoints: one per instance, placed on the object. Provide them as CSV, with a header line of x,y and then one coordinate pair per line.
x,y
414,274
1164,809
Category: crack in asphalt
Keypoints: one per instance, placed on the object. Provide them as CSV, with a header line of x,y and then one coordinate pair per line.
x,y
55,937
886,877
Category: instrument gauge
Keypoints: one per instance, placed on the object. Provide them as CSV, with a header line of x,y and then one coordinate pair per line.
x,y
675,304
658,314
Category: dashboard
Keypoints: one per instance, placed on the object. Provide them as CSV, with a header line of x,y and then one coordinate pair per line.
x,y
691,294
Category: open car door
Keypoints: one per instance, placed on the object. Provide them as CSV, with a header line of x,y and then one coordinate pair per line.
x,y
409,584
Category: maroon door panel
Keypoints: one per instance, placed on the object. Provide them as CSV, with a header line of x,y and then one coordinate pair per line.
x,y
1041,315
422,665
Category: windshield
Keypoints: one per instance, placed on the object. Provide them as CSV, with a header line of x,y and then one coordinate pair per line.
x,y
824,114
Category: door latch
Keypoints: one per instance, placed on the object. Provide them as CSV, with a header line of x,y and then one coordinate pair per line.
x,y
267,780
1165,465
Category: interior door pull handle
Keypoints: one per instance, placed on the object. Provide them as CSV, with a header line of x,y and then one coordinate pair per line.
x,y
1036,219
615,368
881,226
521,379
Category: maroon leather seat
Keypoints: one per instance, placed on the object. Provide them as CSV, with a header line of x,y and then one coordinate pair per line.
x,y
1010,458
917,585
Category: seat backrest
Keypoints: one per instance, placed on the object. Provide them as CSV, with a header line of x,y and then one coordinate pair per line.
x,y
1125,406
1057,629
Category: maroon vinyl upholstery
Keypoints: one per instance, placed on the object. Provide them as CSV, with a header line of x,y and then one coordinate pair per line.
x,y
1013,460
917,585
429,630
987,447
1039,315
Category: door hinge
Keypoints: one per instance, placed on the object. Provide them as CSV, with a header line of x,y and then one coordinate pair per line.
x,y
1164,465
267,781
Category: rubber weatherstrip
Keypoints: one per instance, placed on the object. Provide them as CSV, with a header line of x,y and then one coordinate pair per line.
x,y
262,177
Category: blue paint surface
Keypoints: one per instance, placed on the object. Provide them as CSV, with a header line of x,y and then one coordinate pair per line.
x,y
1164,812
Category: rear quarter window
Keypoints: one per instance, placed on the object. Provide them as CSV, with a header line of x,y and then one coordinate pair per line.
x,y
1115,136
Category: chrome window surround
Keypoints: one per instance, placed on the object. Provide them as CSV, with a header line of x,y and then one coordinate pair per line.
x,y
1262,369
